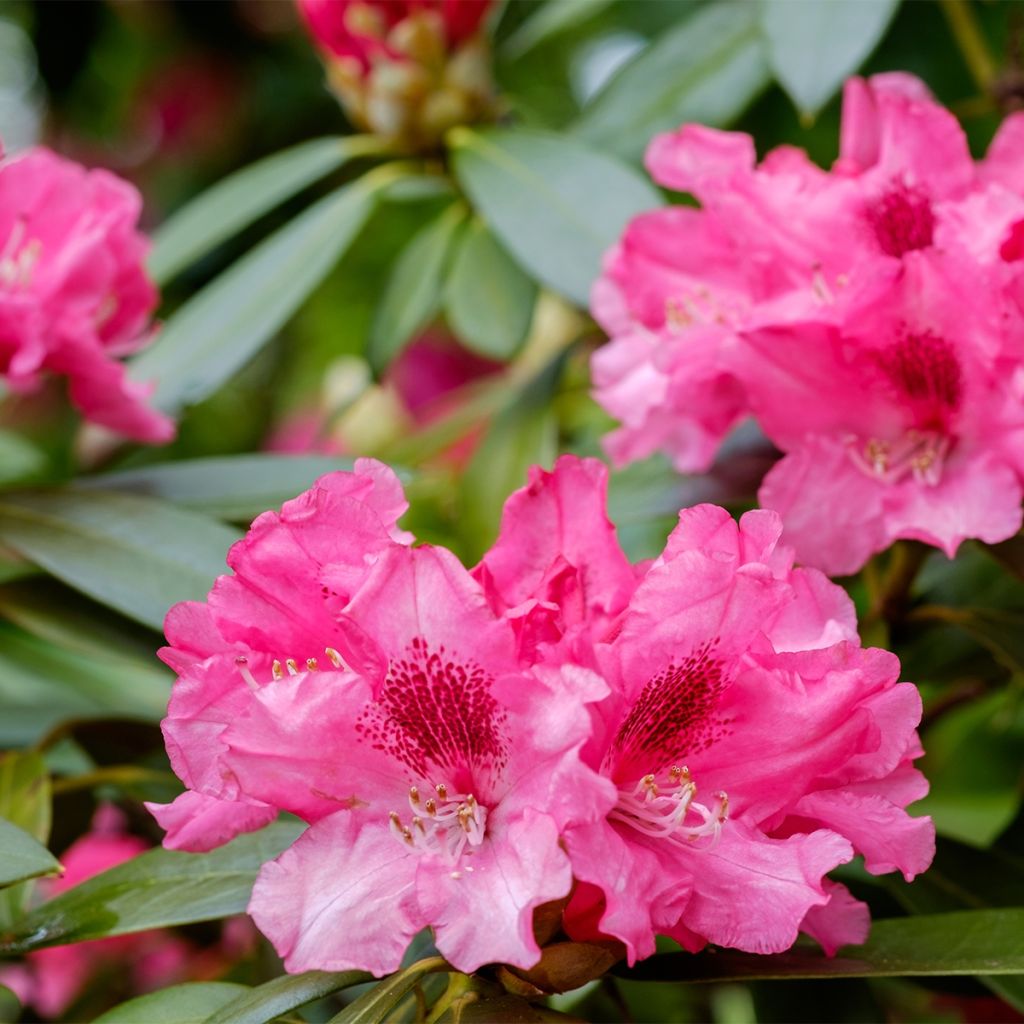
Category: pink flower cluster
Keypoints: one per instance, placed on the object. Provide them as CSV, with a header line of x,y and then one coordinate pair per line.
x,y
74,294
870,318
684,748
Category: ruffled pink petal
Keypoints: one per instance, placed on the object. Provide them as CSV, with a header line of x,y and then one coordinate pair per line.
x,y
885,834
482,912
342,897
1005,155
687,159
821,614
752,893
192,636
560,516
197,823
843,921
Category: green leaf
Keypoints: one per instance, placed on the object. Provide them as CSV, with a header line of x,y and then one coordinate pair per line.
x,y
814,46
554,202
234,487
549,20
374,1006
190,1003
135,554
10,1006
22,856
412,296
708,69
488,299
278,997
25,802
524,434
1009,554
224,325
20,460
157,889
965,942
239,199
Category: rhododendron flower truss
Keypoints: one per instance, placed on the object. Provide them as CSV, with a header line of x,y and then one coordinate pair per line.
x,y
869,317
367,687
752,744
74,294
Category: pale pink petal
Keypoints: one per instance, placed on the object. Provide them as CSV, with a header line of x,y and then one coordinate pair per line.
x,y
687,159
198,823
341,898
843,921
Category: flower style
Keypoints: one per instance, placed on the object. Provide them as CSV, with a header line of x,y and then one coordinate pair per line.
x,y
730,674
74,294
405,69
868,317
366,686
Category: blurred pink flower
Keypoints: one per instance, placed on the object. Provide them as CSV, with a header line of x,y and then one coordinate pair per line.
x,y
731,671
74,294
366,686
405,69
870,318
50,980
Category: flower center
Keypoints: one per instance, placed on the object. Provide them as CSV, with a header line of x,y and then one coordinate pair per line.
x,y
669,811
18,258
902,220
446,824
918,452
700,306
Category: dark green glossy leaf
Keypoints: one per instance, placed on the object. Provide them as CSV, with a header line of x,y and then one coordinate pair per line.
x,y
239,199
549,20
157,889
554,202
22,856
412,297
278,997
965,942
814,46
234,487
190,1003
219,329
488,299
374,1006
135,554
708,68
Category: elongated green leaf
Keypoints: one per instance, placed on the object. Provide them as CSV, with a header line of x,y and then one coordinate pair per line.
x,y
814,46
24,802
966,942
554,202
190,1003
20,460
225,324
374,1006
549,20
158,889
22,856
488,299
235,487
278,997
137,555
239,199
412,297
706,69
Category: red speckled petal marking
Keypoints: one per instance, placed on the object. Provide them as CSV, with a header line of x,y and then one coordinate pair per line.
x,y
902,220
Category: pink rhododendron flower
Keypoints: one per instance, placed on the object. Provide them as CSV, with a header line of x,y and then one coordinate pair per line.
x,y
74,294
50,980
367,687
484,738
869,317
734,675
405,69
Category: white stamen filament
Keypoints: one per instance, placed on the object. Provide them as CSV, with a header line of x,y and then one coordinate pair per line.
x,y
670,814
918,452
277,669
444,824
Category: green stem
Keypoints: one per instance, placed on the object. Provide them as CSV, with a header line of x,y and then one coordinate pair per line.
x,y
892,600
460,987
116,774
968,35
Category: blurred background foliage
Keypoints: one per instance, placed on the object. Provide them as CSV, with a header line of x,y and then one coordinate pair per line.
x,y
449,267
